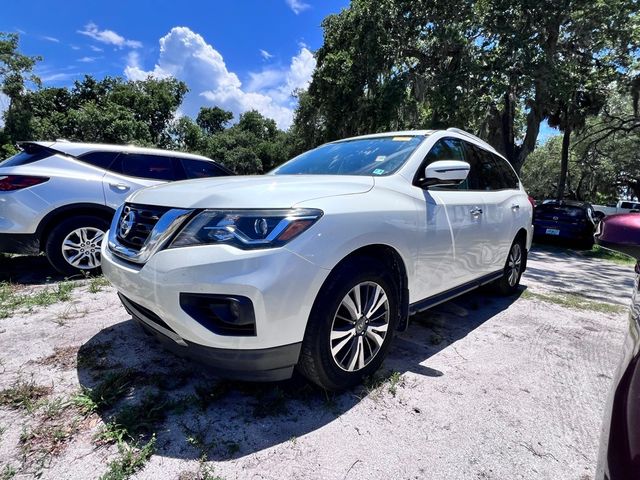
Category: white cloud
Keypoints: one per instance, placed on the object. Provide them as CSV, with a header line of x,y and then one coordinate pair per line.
x,y
298,6
186,56
95,49
108,36
265,55
58,77
88,59
74,47
50,39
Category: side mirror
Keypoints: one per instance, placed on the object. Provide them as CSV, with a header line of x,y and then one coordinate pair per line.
x,y
620,233
445,172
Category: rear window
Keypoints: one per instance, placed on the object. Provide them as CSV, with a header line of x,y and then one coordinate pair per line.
x,y
155,167
99,159
565,210
201,169
29,154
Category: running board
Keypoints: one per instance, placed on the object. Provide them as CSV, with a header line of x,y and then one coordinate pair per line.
x,y
427,303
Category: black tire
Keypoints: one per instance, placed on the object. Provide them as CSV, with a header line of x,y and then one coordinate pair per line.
x,y
508,284
316,360
55,238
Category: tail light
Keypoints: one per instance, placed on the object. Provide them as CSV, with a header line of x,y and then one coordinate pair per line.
x,y
9,183
532,201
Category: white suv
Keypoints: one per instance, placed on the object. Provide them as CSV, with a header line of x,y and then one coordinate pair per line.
x,y
318,263
59,197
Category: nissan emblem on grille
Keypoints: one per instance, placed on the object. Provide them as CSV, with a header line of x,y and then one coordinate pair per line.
x,y
126,223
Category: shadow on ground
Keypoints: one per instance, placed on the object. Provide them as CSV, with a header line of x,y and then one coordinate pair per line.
x,y
194,414
27,270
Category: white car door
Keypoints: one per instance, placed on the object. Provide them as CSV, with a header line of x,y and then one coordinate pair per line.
x,y
132,171
450,254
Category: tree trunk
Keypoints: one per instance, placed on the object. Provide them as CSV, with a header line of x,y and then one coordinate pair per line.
x,y
564,162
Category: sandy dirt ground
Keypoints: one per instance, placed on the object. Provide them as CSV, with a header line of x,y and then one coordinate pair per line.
x,y
479,388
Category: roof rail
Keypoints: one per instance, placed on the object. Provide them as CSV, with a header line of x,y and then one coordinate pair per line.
x,y
470,135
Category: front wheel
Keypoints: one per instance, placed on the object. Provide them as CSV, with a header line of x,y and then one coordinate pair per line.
x,y
514,266
351,325
73,246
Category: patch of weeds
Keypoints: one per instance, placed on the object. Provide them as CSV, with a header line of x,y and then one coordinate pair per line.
x,y
574,301
134,422
12,301
205,472
373,384
131,459
62,357
435,339
107,393
46,440
605,254
53,408
69,313
8,472
96,284
232,447
23,395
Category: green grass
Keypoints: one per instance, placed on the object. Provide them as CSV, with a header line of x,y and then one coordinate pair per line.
x,y
375,383
12,301
131,459
574,301
96,284
107,393
23,395
134,422
8,472
610,255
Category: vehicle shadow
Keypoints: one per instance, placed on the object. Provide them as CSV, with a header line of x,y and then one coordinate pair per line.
x,y
27,270
141,390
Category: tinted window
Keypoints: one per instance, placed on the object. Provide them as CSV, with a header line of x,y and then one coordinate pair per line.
x,y
99,159
156,167
629,205
201,169
509,177
445,149
365,156
29,154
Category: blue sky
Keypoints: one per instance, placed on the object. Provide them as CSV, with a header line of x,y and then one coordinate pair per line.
x,y
238,54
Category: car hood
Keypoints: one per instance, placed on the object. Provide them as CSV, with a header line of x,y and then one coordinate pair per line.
x,y
260,191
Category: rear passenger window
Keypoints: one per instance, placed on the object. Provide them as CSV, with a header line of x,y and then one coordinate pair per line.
x,y
99,159
201,169
509,177
155,167
30,153
491,171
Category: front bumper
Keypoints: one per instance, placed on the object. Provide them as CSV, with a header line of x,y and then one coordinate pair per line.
x,y
280,285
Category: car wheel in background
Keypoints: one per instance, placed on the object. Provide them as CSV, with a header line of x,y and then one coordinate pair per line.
x,y
73,246
513,268
351,325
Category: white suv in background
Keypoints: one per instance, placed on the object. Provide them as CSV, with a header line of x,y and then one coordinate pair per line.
x,y
318,263
59,197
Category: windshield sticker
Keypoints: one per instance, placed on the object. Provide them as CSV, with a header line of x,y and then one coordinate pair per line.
x,y
402,139
378,171
380,158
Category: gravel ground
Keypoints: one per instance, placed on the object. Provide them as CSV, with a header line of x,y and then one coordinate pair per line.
x,y
482,387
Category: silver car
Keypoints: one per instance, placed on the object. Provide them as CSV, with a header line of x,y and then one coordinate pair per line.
x,y
59,197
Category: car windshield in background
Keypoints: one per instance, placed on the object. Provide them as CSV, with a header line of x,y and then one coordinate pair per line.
x,y
370,156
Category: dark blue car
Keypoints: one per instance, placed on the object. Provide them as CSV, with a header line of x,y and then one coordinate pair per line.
x,y
570,221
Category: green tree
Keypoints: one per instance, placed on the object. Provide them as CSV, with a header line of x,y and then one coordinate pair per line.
x,y
213,119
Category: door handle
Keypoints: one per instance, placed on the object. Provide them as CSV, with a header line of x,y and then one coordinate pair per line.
x,y
120,186
475,211
515,206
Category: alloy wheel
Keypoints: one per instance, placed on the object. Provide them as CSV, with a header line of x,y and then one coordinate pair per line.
x,y
359,326
81,248
514,264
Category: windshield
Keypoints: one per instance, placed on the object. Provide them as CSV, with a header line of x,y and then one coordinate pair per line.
x,y
370,156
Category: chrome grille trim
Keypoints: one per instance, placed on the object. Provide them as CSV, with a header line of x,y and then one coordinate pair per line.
x,y
161,232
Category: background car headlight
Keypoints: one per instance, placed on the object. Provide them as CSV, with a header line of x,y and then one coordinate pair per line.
x,y
246,228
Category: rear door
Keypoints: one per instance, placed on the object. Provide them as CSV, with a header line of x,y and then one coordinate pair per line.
x,y
504,206
132,171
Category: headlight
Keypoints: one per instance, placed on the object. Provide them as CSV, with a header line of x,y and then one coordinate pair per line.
x,y
246,229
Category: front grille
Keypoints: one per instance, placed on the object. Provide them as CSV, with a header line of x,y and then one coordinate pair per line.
x,y
145,218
